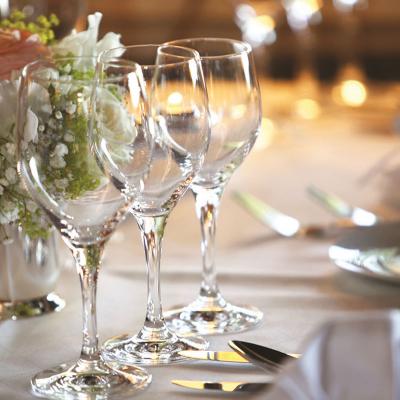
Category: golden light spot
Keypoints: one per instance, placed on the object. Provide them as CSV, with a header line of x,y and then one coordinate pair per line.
x,y
267,21
175,99
352,93
305,8
307,108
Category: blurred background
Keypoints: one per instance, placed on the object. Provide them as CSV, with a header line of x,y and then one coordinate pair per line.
x,y
286,33
325,66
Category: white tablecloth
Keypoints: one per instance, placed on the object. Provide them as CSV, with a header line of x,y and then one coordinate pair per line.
x,y
291,280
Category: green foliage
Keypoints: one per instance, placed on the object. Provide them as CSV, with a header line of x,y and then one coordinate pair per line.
x,y
80,170
33,223
43,26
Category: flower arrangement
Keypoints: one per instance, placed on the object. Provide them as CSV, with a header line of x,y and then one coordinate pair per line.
x,y
63,123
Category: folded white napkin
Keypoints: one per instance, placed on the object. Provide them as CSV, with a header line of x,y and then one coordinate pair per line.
x,y
348,359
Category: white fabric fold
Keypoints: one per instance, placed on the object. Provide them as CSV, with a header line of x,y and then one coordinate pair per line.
x,y
347,359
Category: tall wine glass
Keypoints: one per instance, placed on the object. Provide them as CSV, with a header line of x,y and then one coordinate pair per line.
x,y
179,122
63,178
235,108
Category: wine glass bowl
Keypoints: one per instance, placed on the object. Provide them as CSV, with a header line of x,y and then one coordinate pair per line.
x,y
235,118
177,119
62,176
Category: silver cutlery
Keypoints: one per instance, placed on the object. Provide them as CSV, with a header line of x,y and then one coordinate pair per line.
x,y
284,224
340,208
221,356
267,355
245,353
223,386
264,357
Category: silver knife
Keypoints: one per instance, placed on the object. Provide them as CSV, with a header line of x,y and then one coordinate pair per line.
x,y
283,224
264,357
279,222
223,386
339,207
229,356
222,356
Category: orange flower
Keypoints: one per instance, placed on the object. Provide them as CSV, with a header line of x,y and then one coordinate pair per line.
x,y
17,49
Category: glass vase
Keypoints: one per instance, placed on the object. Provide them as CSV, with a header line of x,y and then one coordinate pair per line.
x,y
29,271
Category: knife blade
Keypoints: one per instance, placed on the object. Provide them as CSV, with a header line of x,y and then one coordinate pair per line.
x,y
222,356
223,386
339,207
281,223
261,356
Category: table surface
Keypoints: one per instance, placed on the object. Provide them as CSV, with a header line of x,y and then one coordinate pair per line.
x,y
291,280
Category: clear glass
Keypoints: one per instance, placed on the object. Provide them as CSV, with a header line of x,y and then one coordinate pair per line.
x,y
179,122
62,176
235,114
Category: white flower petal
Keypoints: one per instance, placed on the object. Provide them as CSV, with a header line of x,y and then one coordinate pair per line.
x,y
109,41
31,126
81,43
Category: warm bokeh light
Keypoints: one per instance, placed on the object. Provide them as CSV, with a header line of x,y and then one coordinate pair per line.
x,y
301,12
307,108
175,99
174,102
267,134
351,92
267,21
348,5
260,29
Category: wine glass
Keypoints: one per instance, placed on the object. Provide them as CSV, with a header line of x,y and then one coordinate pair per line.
x,y
179,122
235,114
62,176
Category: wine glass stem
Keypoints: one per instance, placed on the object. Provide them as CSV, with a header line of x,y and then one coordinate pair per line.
x,y
152,230
88,262
207,206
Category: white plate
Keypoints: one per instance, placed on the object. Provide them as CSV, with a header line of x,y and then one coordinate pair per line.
x,y
370,251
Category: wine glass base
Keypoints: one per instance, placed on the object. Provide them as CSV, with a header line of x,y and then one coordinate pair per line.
x,y
97,383
130,350
31,308
205,318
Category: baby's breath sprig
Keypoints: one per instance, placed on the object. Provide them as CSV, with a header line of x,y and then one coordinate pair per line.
x,y
43,26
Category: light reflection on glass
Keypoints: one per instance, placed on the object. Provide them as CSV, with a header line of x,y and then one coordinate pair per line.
x,y
267,134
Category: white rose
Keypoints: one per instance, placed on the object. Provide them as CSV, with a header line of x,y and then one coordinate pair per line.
x,y
115,121
109,41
